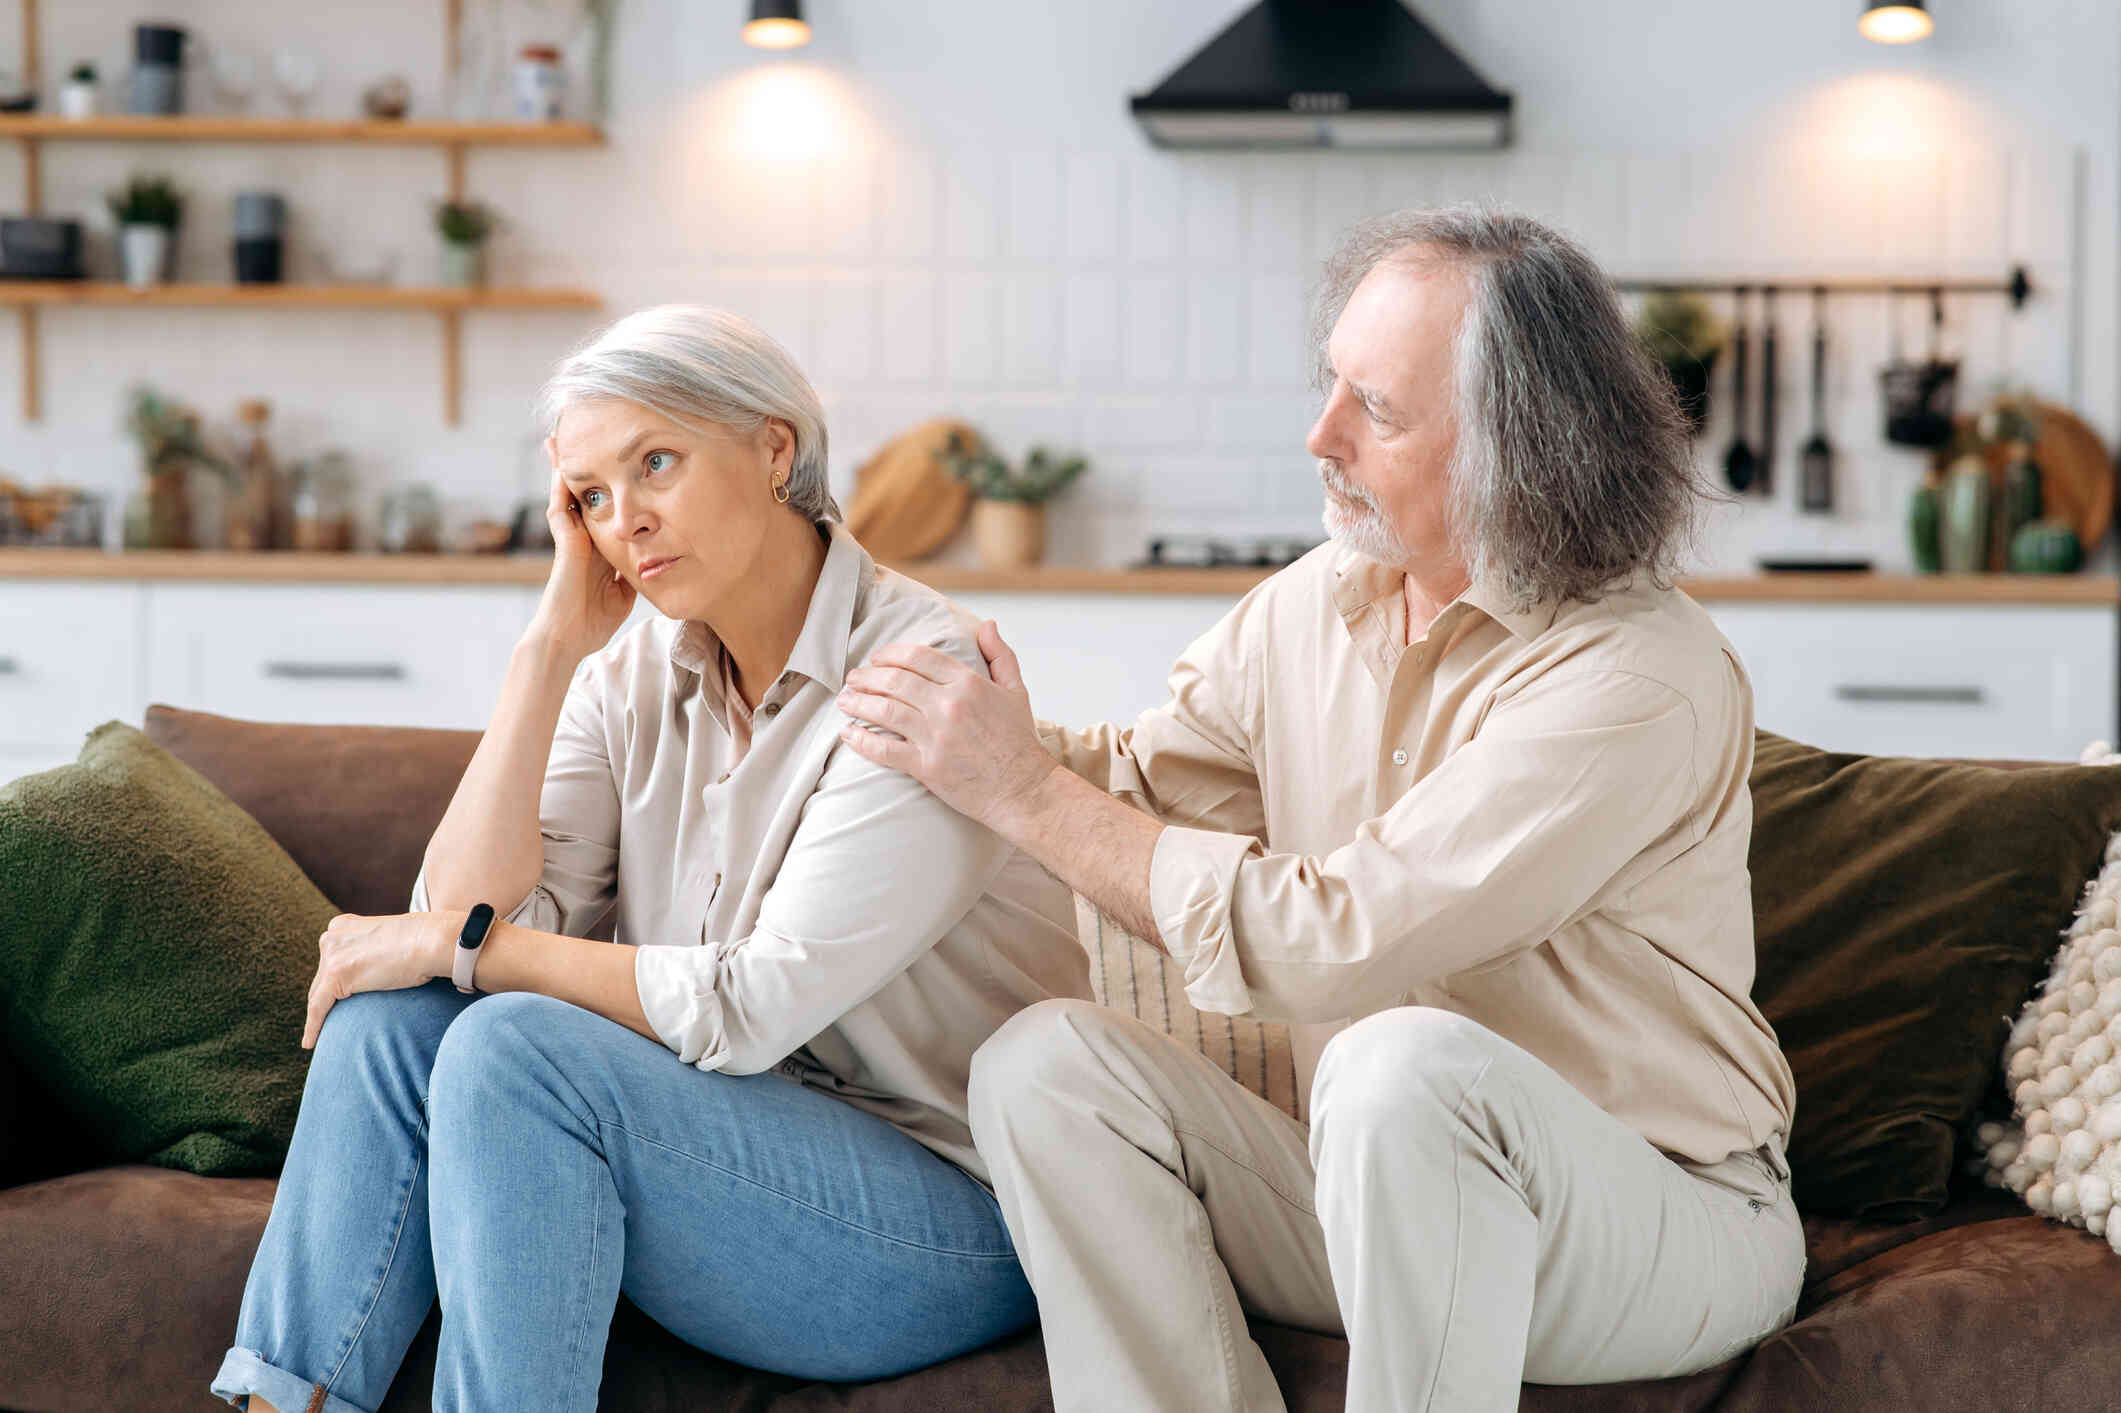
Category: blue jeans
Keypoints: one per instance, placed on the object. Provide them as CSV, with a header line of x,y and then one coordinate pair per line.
x,y
525,1160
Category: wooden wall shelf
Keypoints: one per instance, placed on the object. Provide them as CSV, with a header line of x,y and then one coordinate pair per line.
x,y
283,296
32,130
185,127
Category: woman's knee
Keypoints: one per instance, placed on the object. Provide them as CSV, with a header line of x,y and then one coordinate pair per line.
x,y
403,1026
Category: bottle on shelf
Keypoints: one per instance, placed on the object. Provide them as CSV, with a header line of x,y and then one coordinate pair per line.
x,y
256,501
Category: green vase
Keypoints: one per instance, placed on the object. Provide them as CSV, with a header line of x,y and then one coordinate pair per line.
x,y
1963,518
2045,547
1922,517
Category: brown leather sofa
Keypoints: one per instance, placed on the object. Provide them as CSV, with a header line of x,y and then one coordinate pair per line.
x,y
119,1284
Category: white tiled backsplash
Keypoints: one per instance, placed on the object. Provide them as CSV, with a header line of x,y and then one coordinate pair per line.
x,y
1016,254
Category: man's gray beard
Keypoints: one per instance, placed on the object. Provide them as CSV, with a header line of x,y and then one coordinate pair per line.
x,y
1367,531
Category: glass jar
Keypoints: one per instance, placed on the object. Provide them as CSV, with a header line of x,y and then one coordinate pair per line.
x,y
322,503
411,522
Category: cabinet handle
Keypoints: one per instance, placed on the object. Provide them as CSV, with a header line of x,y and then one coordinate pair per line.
x,y
336,671
8,667
1957,696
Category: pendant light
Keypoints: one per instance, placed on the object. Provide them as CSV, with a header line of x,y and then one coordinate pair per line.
x,y
776,24
1902,22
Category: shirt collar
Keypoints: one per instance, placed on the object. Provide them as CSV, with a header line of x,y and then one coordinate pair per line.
x,y
1360,581
820,651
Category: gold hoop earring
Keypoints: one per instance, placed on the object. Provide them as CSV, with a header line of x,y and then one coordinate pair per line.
x,y
780,491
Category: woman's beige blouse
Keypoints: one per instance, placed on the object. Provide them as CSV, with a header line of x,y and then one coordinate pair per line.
x,y
796,907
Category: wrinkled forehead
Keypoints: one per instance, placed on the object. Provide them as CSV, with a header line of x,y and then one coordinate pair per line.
x,y
1398,326
594,434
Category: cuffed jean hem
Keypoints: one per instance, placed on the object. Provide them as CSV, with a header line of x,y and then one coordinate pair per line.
x,y
244,1371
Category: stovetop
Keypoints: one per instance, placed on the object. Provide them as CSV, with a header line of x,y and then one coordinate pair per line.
x,y
1209,552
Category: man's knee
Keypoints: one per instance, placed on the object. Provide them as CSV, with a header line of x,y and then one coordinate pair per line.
x,y
1034,1053
1406,1066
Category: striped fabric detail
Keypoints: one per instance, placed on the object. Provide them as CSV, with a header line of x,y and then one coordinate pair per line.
x,y
1129,975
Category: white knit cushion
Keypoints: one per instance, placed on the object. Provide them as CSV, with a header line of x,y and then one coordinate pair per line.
x,y
1128,974
2062,1152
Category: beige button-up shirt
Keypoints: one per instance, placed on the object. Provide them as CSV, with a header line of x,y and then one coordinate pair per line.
x,y
795,906
1538,820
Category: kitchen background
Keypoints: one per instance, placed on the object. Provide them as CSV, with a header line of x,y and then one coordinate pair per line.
x,y
945,210
944,207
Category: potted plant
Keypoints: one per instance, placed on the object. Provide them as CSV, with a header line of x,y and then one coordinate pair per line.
x,y
147,212
171,451
1684,335
78,95
464,226
1009,506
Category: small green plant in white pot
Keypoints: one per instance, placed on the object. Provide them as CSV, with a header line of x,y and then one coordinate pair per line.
x,y
464,227
78,96
147,211
1009,505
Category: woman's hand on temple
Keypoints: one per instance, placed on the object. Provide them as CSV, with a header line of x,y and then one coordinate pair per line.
x,y
585,599
387,953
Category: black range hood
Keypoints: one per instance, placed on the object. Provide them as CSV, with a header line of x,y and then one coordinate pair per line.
x,y
1325,73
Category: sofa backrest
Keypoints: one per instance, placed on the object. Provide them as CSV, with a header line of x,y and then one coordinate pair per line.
x,y
353,805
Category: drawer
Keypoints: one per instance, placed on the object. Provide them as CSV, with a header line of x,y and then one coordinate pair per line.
x,y
2001,681
375,655
70,659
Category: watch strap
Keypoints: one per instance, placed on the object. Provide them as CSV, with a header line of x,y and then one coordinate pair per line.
x,y
469,943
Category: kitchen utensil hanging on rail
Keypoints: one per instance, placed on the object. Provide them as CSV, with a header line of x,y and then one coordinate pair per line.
x,y
1815,463
1919,396
1738,459
1764,472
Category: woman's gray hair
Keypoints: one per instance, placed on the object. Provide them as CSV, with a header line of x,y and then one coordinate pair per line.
x,y
697,364
1574,464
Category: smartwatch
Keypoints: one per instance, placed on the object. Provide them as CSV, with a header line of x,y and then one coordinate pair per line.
x,y
469,941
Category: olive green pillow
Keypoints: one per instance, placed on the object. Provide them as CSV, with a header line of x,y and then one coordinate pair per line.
x,y
1903,910
156,949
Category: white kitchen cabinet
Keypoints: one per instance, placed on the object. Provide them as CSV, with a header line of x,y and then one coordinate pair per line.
x,y
2031,682
69,659
382,654
1097,657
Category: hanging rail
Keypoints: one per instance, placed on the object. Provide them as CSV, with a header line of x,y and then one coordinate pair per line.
x,y
2019,286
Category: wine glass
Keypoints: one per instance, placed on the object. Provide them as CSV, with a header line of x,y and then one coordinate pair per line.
x,y
294,77
233,73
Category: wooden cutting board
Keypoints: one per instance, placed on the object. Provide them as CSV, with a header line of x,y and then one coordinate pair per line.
x,y
2076,478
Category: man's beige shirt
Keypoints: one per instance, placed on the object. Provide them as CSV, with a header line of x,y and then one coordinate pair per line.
x,y
795,906
1538,820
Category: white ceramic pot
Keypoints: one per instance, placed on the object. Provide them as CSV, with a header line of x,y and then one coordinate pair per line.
x,y
78,100
463,264
144,252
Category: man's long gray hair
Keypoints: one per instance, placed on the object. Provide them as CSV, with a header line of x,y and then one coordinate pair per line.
x,y
1574,467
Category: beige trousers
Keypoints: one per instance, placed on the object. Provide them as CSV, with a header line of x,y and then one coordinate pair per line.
x,y
1463,1214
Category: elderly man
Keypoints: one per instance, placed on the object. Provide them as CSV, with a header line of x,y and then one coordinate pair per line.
x,y
1472,772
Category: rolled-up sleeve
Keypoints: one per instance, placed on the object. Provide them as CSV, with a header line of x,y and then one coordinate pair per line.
x,y
877,872
578,824
1532,822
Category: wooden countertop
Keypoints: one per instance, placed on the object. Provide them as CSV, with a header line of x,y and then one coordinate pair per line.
x,y
301,568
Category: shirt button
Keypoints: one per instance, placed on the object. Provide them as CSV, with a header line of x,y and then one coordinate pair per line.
x,y
724,780
1399,757
769,709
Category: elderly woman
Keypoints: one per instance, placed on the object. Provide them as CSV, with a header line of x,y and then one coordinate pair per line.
x,y
752,1117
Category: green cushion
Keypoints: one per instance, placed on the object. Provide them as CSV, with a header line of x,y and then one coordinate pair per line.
x,y
156,950
1903,910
